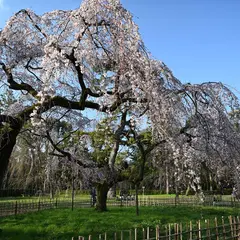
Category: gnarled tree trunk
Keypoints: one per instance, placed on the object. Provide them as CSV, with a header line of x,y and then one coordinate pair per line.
x,y
7,143
102,190
136,199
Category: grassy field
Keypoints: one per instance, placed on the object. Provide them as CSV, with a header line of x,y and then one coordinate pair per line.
x,y
64,224
86,197
77,197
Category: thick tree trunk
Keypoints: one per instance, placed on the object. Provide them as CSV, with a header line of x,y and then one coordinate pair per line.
x,y
7,143
167,180
210,183
73,188
187,190
51,190
102,190
136,200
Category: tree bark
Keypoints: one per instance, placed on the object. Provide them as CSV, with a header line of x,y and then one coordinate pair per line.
x,y
187,190
210,182
51,189
7,143
136,200
102,190
167,180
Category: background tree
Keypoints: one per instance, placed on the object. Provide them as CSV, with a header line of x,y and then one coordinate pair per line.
x,y
95,155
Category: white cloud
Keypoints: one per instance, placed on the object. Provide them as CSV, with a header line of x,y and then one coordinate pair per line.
x,y
2,5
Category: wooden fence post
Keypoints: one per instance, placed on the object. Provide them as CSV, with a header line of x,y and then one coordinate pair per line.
x,y
166,231
216,227
157,233
148,233
135,234
176,231
238,227
209,230
234,227
169,231
181,232
130,234
199,230
143,234
223,229
231,227
190,231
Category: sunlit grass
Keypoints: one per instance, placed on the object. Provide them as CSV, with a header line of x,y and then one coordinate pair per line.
x,y
64,224
78,196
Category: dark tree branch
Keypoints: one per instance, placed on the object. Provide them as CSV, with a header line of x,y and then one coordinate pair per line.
x,y
34,24
64,153
67,154
30,68
117,136
17,86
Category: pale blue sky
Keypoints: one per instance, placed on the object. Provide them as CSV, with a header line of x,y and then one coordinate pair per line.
x,y
197,39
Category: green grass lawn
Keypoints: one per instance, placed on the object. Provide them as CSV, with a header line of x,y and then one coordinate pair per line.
x,y
78,197
84,197
64,224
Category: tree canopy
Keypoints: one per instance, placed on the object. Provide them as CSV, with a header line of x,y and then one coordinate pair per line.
x,y
93,57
